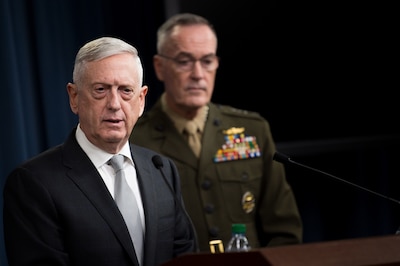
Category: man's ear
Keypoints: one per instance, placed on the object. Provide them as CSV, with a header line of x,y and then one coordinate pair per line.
x,y
142,97
158,65
72,90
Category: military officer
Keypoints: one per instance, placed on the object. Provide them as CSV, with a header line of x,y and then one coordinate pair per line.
x,y
226,167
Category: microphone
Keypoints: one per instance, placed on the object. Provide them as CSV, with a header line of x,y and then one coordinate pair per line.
x,y
158,163
279,157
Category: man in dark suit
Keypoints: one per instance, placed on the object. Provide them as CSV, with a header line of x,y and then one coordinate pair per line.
x,y
59,207
231,177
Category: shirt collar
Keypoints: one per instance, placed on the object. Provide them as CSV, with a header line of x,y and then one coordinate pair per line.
x,y
98,156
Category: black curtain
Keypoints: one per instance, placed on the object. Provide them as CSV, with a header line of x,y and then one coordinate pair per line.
x,y
39,43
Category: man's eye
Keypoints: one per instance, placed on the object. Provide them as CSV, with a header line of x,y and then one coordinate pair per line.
x,y
206,61
127,90
100,89
183,61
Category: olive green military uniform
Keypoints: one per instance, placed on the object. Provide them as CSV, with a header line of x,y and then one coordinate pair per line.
x,y
234,180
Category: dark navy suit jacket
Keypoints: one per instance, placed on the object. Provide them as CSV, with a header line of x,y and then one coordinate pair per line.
x,y
58,211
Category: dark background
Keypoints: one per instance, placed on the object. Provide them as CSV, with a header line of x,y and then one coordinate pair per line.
x,y
323,73
314,69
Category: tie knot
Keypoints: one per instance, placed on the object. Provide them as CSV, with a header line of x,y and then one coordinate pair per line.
x,y
117,162
191,127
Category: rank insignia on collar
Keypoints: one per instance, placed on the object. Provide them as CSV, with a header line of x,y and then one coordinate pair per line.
x,y
237,146
248,202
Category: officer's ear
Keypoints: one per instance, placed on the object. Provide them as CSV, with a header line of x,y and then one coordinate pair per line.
x,y
159,65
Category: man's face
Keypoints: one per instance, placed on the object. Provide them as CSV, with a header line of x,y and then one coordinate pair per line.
x,y
186,87
109,101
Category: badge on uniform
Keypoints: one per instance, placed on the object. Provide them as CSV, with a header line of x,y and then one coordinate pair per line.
x,y
237,146
248,202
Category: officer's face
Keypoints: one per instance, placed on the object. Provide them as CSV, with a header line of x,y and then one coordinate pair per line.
x,y
189,67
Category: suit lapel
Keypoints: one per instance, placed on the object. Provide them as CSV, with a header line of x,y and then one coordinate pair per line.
x,y
83,173
147,178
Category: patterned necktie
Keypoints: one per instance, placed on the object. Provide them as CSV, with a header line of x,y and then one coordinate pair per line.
x,y
193,137
126,201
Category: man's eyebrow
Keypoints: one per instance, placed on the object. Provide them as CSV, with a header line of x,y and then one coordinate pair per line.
x,y
182,54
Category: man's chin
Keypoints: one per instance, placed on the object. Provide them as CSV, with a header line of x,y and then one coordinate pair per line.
x,y
114,137
197,102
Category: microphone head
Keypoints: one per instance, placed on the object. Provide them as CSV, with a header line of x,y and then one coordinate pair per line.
x,y
279,157
157,161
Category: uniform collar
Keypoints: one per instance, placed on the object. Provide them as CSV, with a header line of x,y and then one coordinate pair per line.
x,y
180,121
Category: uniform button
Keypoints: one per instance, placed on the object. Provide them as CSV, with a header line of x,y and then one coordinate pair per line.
x,y
245,176
209,208
217,122
213,231
206,184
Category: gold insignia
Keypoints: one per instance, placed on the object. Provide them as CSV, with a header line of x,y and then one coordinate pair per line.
x,y
248,202
233,130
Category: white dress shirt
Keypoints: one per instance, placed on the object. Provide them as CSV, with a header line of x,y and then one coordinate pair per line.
x,y
100,159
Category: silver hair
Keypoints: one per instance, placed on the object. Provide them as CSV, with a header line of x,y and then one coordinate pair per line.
x,y
101,48
182,19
